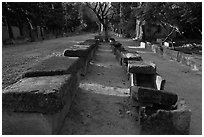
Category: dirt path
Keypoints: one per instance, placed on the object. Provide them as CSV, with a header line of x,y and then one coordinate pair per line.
x,y
102,105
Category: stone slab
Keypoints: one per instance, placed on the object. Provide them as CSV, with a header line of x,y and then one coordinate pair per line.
x,y
144,80
141,67
22,123
56,65
159,82
77,51
39,94
153,96
130,56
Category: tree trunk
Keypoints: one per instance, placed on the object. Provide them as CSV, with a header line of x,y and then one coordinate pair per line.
x,y
20,25
101,28
143,35
106,33
11,36
30,34
41,31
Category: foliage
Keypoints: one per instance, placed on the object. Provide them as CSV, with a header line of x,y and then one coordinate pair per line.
x,y
124,19
88,19
184,17
54,16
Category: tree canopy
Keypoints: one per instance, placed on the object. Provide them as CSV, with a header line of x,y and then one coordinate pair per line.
x,y
183,17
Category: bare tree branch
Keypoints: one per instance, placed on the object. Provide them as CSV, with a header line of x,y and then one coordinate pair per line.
x,y
96,13
104,7
96,5
106,13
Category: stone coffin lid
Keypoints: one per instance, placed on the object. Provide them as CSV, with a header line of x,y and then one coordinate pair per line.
x,y
130,56
141,67
153,96
56,65
78,51
38,94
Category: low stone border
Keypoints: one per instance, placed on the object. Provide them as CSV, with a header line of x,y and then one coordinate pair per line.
x,y
188,60
85,52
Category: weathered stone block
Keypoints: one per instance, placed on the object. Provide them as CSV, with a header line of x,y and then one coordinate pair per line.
x,y
141,67
159,121
153,96
146,81
38,105
142,45
56,65
130,56
140,80
77,51
39,94
159,82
